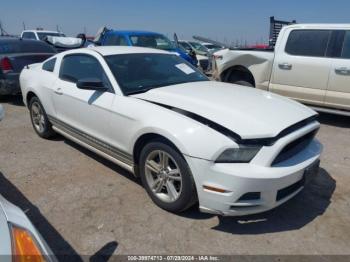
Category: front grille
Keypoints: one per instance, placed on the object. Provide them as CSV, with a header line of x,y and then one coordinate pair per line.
x,y
294,148
287,191
204,64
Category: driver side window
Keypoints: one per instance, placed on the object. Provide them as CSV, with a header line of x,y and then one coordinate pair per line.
x,y
81,66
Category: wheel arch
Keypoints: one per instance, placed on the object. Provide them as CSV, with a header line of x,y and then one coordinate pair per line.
x,y
146,138
242,72
29,96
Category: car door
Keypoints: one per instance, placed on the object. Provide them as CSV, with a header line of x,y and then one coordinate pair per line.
x,y
301,68
83,113
338,91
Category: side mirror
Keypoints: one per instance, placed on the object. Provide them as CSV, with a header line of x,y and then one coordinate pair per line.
x,y
91,84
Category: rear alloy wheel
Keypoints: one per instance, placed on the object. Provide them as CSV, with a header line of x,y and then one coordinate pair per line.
x,y
40,122
167,177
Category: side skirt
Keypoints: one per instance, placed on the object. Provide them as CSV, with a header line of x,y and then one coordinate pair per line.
x,y
114,155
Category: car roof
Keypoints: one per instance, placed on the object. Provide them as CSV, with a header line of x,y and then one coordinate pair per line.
x,y
319,26
133,32
21,40
117,50
41,31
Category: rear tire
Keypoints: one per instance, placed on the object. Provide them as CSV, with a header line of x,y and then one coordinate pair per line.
x,y
39,119
167,177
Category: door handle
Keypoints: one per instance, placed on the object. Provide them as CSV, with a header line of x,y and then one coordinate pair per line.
x,y
58,91
285,66
342,71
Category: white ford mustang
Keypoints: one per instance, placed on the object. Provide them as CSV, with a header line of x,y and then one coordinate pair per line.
x,y
233,149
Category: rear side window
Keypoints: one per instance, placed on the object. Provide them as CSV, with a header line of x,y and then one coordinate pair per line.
x,y
77,67
115,40
49,65
346,46
308,42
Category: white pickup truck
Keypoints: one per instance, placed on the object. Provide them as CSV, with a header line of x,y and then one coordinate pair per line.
x,y
310,63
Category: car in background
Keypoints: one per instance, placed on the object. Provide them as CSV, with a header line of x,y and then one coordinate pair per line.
x,y
39,34
188,138
143,39
200,51
14,55
213,47
309,63
19,239
197,47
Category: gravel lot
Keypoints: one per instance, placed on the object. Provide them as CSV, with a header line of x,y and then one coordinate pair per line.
x,y
83,204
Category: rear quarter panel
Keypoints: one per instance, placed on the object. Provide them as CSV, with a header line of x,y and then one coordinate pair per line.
x,y
39,82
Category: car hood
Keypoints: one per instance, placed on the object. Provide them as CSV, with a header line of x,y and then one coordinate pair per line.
x,y
248,112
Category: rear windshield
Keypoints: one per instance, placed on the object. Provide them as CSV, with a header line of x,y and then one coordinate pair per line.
x,y
152,41
24,46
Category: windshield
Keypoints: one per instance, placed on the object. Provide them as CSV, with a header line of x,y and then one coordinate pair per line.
x,y
199,46
185,46
152,41
138,73
211,46
42,35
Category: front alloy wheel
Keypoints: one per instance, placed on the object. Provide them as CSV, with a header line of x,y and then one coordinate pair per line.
x,y
163,176
166,177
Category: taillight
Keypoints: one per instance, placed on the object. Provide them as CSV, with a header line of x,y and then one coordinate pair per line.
x,y
25,247
5,65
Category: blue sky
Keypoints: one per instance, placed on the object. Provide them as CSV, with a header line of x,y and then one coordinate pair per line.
x,y
222,20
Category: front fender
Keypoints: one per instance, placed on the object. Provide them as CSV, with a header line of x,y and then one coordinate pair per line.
x,y
191,138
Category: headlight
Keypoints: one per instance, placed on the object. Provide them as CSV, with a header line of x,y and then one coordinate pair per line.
x,y
238,155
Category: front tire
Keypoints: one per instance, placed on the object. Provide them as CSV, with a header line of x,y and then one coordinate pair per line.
x,y
39,119
167,177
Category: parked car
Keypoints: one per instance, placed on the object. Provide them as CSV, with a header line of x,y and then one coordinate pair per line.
x,y
40,35
197,47
310,63
142,39
201,52
19,239
213,47
14,55
237,150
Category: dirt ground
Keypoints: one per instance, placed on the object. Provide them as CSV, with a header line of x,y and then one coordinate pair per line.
x,y
83,204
